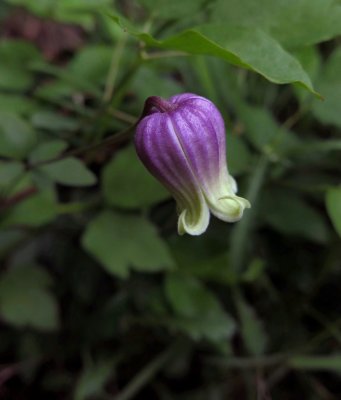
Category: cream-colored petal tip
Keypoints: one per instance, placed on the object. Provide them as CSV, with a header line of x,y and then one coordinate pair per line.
x,y
193,225
229,208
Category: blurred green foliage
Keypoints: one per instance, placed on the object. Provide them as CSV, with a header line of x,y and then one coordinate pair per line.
x,y
99,297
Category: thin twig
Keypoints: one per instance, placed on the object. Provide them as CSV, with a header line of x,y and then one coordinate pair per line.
x,y
17,198
111,140
122,116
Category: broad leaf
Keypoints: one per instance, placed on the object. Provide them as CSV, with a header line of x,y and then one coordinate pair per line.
x,y
293,22
17,104
9,172
17,137
127,184
36,210
199,312
173,9
16,58
69,171
238,155
329,84
265,133
93,379
121,242
48,150
333,202
26,300
285,211
245,47
251,328
52,121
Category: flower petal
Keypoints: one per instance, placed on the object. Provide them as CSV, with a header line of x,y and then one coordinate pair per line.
x,y
160,150
194,220
182,143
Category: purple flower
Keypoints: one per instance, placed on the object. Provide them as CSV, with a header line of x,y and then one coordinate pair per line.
x,y
181,141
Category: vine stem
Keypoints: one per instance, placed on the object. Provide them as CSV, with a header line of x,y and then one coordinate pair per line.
x,y
241,232
109,141
112,74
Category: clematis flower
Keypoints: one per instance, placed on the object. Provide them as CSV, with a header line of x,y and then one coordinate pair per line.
x,y
181,141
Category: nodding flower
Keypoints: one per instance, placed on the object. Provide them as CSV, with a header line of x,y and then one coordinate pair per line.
x,y
181,141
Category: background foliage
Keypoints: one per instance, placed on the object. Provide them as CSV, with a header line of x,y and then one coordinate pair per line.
x,y
99,297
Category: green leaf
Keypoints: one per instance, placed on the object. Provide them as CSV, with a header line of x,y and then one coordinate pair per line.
x,y
264,132
16,57
127,184
48,150
173,9
12,103
93,379
9,238
14,79
310,59
53,121
251,328
238,155
294,23
91,63
204,257
328,111
285,211
199,312
120,242
254,271
69,171
17,137
25,299
333,203
244,47
37,210
147,82
9,172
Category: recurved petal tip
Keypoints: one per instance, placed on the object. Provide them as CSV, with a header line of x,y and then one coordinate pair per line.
x,y
229,208
194,220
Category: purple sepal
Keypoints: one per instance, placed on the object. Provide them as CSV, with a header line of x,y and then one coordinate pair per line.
x,y
181,141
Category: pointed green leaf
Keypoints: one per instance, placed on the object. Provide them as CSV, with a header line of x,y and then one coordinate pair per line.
x,y
48,150
69,171
251,328
17,137
333,202
244,47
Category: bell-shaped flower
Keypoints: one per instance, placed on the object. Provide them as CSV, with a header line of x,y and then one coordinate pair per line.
x,y
181,141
